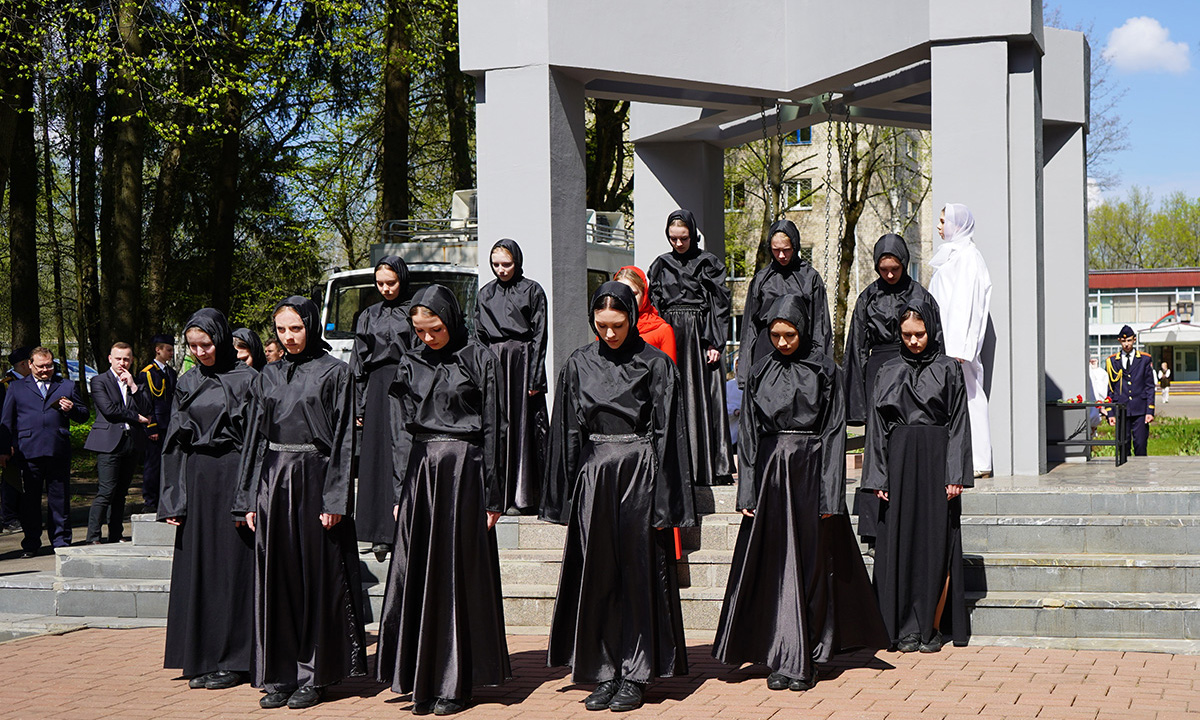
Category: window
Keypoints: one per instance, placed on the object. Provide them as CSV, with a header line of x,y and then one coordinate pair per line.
x,y
735,196
798,194
803,136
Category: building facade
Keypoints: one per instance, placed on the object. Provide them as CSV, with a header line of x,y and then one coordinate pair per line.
x,y
1157,304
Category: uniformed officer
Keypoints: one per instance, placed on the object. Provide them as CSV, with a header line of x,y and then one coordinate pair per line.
x,y
1131,382
158,380
10,482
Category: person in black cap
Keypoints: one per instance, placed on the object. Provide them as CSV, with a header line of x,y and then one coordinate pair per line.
x,y
10,482
158,380
1131,382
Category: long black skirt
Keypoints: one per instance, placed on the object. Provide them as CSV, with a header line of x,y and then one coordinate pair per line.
x,y
703,396
527,425
308,628
866,504
441,633
919,543
798,590
376,488
210,614
617,612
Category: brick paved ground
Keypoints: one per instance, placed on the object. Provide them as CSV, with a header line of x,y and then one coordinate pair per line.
x,y
116,674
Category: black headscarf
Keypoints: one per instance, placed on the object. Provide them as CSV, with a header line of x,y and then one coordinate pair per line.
x,y
518,259
439,300
933,330
792,309
257,356
398,266
689,220
627,303
894,245
211,322
310,315
787,227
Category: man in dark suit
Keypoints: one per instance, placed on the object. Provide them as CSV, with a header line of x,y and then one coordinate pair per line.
x,y
121,414
1131,382
157,380
10,476
35,434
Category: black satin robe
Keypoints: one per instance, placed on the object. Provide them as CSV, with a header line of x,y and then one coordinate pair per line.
x,y
689,292
510,319
618,469
381,337
769,284
441,632
308,601
210,615
918,442
798,590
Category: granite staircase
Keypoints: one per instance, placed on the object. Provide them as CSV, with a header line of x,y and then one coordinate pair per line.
x,y
1081,567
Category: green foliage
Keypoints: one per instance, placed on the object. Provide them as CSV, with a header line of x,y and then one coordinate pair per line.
x,y
1130,232
1168,436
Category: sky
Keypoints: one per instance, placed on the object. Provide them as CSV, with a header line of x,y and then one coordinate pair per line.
x,y
1151,47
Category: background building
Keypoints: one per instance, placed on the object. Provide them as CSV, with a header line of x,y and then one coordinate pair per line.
x,y
1157,304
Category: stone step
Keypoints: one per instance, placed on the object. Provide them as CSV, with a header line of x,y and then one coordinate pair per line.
x,y
148,532
1169,616
115,561
46,594
1140,534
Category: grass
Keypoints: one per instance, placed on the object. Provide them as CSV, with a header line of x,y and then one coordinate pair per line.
x,y
1168,436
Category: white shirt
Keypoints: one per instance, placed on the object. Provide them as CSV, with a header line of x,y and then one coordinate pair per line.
x,y
124,392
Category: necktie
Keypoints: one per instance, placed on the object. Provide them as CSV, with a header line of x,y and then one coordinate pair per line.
x,y
42,388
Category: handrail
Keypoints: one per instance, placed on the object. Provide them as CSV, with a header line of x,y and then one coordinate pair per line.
x,y
467,230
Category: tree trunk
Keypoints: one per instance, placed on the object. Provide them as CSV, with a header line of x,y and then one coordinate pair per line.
x,y
460,111
12,64
51,224
397,81
90,332
229,168
774,206
606,186
121,251
164,217
22,238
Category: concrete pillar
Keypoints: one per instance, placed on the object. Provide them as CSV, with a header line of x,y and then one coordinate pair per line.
x,y
986,117
672,175
1065,281
531,166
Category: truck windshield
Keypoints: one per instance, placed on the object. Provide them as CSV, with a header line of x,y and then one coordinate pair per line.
x,y
349,296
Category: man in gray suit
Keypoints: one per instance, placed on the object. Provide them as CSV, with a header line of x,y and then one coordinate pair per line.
x,y
120,409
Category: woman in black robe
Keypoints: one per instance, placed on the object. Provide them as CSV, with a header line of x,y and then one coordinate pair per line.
x,y
918,460
441,633
798,590
296,494
787,274
510,318
381,337
687,286
210,626
249,348
874,339
618,475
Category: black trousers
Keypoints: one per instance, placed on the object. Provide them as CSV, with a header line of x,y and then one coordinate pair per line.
x,y
10,494
1137,433
151,473
52,475
116,473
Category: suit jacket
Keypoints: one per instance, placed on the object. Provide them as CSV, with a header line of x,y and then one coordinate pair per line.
x,y
34,426
159,387
112,415
1133,386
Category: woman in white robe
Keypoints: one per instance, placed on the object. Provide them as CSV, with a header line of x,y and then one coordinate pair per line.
x,y
963,290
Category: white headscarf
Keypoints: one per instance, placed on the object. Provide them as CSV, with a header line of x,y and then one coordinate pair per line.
x,y
959,231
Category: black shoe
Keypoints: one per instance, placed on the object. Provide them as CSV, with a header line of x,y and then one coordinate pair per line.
x,y
223,680
449,706
802,684
26,554
602,695
933,645
425,707
199,681
513,511
274,700
778,681
381,551
629,697
305,697
909,643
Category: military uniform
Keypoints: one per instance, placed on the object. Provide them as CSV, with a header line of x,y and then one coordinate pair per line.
x,y
159,385
10,477
1131,382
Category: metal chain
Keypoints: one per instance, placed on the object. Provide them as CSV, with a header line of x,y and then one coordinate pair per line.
x,y
829,133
